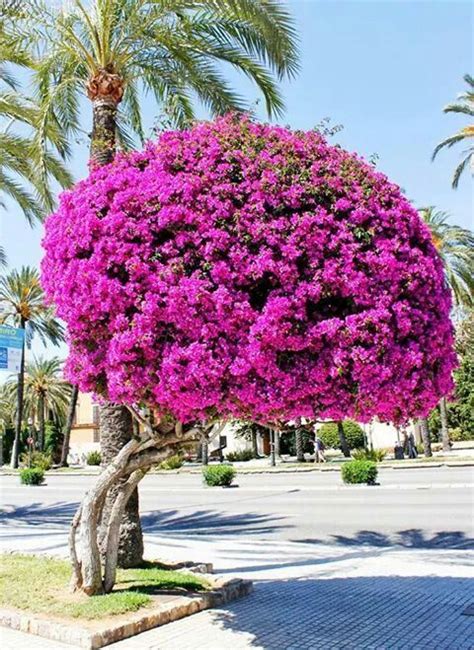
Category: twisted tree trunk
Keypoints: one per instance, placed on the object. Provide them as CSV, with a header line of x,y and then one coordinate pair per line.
x,y
94,574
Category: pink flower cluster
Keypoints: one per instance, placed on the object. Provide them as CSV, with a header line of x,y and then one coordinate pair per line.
x,y
250,271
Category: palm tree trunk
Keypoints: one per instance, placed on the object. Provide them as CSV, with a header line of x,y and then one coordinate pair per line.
x,y
19,405
425,436
103,131
41,423
342,440
204,451
299,445
116,426
443,409
68,426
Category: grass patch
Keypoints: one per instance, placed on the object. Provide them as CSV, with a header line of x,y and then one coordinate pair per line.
x,y
40,585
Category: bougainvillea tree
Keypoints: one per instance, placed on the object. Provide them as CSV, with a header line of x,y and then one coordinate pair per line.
x,y
240,270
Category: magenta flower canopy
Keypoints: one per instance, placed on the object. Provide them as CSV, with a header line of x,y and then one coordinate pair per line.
x,y
250,271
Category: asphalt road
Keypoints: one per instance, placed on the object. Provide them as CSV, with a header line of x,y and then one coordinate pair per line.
x,y
413,507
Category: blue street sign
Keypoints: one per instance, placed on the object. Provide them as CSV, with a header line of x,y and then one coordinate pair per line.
x,y
11,347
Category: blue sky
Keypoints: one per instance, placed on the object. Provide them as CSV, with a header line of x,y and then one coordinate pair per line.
x,y
384,69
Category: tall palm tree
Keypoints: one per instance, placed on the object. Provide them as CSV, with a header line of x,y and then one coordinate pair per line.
x,y
464,105
45,392
115,51
28,162
455,246
23,306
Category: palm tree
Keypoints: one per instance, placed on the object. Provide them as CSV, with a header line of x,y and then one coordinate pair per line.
x,y
27,164
23,306
68,425
45,392
455,246
465,105
115,51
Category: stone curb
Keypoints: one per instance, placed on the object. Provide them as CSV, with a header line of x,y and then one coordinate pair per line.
x,y
224,590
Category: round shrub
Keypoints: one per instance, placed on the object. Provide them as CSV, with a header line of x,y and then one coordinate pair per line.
x,y
252,272
353,432
31,476
218,475
359,471
93,458
37,459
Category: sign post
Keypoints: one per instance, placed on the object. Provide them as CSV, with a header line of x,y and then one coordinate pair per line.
x,y
11,347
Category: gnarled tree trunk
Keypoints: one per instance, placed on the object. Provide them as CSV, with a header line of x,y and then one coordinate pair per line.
x,y
94,573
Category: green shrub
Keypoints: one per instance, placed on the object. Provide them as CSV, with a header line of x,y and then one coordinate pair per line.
x,y
353,432
377,455
359,471
173,462
218,475
31,476
38,459
458,435
239,456
53,441
93,458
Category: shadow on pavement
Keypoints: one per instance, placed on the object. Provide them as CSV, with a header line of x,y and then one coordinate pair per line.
x,y
197,523
413,538
359,613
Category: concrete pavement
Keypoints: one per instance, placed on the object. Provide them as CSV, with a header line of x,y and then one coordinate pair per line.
x,y
364,567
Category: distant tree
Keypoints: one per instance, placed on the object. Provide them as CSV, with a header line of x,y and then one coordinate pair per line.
x,y
23,306
455,246
353,435
465,105
46,392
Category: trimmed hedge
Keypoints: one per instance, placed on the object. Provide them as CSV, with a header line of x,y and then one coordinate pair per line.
x,y
353,432
359,471
218,475
31,476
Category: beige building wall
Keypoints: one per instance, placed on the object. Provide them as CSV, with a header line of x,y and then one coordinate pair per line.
x,y
85,429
